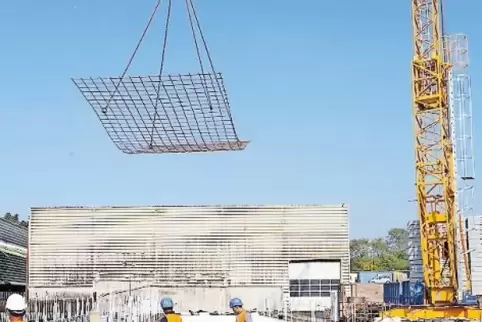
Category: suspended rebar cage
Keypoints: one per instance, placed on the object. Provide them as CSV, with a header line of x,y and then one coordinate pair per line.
x,y
165,113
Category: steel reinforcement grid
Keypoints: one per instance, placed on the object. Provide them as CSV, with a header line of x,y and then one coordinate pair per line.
x,y
164,114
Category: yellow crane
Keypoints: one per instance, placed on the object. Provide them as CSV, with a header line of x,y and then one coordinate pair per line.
x,y
435,171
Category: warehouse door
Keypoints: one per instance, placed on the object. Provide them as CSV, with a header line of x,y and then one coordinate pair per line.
x,y
312,284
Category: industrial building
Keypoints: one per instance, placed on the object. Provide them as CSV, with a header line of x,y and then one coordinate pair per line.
x,y
271,256
13,254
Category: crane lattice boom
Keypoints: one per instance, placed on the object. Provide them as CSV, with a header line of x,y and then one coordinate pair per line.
x,y
435,170
434,153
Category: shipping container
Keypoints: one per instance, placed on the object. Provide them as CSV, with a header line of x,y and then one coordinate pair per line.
x,y
406,293
403,293
469,299
392,293
417,293
412,293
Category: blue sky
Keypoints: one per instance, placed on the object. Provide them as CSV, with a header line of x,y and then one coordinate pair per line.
x,y
321,88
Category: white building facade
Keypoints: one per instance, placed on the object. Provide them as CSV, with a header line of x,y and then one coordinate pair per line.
x,y
255,252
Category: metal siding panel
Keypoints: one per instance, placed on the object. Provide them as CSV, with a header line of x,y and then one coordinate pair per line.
x,y
214,245
474,230
314,270
414,251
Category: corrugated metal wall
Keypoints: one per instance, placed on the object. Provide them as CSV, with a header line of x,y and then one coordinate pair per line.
x,y
474,235
172,246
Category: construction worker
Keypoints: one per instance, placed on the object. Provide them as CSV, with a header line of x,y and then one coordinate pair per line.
x,y
241,314
167,305
16,308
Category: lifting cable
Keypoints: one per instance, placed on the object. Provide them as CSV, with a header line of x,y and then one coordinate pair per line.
x,y
194,22
184,113
133,55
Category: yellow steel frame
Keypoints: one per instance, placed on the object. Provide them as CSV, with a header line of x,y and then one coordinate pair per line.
x,y
434,153
435,177
435,313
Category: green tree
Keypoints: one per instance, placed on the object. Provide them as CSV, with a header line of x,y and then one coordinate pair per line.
x,y
15,218
397,239
380,254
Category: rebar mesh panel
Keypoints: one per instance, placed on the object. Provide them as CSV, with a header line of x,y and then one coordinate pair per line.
x,y
164,114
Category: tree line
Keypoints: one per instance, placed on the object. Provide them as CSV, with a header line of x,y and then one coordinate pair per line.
x,y
387,253
15,219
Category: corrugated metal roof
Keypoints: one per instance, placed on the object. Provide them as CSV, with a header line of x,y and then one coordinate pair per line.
x,y
12,268
13,249
175,245
13,233
13,243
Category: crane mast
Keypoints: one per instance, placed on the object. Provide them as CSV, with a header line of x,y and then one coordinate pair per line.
x,y
435,182
433,94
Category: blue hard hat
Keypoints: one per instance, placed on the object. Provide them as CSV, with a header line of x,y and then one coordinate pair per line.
x,y
167,303
235,302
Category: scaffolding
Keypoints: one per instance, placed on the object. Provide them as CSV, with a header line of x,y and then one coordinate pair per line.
x,y
166,113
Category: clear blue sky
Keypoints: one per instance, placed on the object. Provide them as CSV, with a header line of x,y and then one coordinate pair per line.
x,y
322,88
